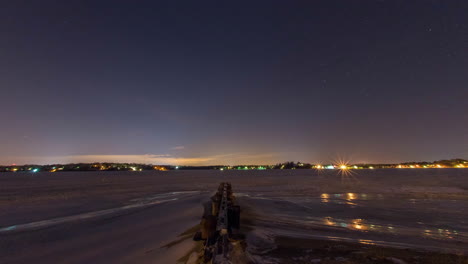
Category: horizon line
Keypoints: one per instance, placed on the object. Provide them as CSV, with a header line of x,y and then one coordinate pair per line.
x,y
240,164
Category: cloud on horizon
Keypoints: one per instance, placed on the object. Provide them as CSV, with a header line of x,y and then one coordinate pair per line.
x,y
178,148
162,159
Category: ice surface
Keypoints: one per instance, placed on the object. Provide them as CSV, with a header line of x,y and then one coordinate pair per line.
x,y
420,208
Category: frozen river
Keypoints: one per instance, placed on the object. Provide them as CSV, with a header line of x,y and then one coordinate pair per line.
x,y
131,216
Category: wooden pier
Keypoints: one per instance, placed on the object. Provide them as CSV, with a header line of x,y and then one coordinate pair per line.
x,y
219,224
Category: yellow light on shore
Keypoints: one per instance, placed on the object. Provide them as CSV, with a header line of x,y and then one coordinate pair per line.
x,y
351,196
358,224
343,167
325,197
329,221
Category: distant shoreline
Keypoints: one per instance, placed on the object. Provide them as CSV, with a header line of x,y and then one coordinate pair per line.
x,y
109,166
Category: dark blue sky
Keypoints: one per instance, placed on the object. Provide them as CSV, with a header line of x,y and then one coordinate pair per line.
x,y
210,82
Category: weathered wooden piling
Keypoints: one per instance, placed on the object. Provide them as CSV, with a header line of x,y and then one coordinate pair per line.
x,y
220,217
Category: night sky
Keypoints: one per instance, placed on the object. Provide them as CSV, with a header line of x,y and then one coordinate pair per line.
x,y
231,82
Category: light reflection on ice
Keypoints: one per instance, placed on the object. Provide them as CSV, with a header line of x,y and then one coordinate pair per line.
x,y
364,216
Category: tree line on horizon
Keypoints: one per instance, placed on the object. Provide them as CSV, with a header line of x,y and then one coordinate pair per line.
x,y
109,166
